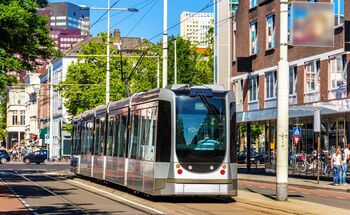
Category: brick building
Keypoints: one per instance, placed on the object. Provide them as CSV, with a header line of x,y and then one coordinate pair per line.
x,y
319,79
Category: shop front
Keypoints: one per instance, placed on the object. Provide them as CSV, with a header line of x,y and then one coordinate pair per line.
x,y
259,130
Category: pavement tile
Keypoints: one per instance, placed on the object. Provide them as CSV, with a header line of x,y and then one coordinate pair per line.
x,y
295,181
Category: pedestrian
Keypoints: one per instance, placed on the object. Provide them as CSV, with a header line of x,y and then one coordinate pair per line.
x,y
325,161
346,158
337,166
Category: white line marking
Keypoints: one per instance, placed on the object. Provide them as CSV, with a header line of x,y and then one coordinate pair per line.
x,y
262,187
121,198
338,197
305,193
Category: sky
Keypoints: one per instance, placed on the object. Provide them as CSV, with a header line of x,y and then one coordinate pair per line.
x,y
150,16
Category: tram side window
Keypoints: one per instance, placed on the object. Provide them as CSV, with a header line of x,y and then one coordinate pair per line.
x,y
134,134
110,130
116,135
83,138
97,137
150,134
90,137
78,139
142,134
122,134
102,137
74,142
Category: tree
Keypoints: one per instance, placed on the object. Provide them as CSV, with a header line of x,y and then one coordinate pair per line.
x,y
84,87
5,81
193,67
25,41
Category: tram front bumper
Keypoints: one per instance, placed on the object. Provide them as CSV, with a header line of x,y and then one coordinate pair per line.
x,y
200,189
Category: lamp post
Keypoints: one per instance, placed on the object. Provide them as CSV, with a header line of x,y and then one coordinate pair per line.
x,y
108,42
175,62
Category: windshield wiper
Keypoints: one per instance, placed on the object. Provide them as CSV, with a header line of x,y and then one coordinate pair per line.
x,y
212,110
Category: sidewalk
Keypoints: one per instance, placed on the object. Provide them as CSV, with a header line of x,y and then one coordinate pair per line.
x,y
9,203
292,206
295,181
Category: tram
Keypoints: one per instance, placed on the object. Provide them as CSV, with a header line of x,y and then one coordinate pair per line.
x,y
175,141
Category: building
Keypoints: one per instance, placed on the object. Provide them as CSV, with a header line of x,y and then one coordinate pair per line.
x,y
61,138
16,117
194,27
69,23
65,15
44,107
32,82
319,80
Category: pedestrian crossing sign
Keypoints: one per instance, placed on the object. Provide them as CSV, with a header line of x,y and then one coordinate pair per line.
x,y
296,132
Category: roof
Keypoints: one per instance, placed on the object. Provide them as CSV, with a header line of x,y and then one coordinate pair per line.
x,y
128,43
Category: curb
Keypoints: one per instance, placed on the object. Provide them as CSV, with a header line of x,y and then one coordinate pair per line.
x,y
299,185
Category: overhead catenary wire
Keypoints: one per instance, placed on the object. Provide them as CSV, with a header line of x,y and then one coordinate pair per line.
x,y
138,22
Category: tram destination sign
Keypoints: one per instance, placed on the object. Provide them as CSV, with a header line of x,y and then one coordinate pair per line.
x,y
312,24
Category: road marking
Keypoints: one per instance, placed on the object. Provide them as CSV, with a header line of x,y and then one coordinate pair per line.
x,y
338,197
262,187
118,197
322,195
305,193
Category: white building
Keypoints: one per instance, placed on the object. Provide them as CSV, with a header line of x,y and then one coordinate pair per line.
x,y
194,27
61,139
16,100
32,81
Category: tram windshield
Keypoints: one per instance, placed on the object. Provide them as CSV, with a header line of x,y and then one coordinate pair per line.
x,y
200,129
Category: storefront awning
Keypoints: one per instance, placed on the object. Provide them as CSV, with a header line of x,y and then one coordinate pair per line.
x,y
326,108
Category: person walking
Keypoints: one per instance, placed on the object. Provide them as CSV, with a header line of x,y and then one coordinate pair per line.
x,y
337,166
325,160
346,157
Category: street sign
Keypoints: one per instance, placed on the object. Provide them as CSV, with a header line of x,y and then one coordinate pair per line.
x,y
47,138
296,139
296,132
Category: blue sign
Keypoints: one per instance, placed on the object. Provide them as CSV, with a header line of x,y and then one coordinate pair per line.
x,y
296,132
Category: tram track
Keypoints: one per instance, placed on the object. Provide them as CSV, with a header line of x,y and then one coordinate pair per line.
x,y
57,193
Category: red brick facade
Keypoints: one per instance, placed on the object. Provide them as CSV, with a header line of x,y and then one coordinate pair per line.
x,y
245,64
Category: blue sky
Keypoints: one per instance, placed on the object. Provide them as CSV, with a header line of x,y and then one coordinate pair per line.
x,y
152,22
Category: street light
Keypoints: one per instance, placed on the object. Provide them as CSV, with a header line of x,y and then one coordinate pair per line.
x,y
133,10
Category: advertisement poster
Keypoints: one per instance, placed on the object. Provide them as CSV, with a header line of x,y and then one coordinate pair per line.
x,y
312,24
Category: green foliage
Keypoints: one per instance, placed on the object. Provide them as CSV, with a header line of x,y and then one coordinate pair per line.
x,y
192,67
84,87
24,35
5,81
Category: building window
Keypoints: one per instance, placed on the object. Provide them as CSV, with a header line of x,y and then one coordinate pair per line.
x,y
253,37
253,88
337,75
270,31
239,91
23,117
338,12
254,3
292,80
14,117
270,85
312,75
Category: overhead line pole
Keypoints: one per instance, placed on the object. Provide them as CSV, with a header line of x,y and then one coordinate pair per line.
x,y
108,52
282,107
165,43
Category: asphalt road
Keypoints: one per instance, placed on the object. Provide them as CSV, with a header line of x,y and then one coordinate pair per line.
x,y
44,191
326,197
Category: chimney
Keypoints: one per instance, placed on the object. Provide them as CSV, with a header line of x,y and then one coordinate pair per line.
x,y
116,35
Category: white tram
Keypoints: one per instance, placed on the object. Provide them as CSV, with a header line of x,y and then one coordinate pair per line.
x,y
174,141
